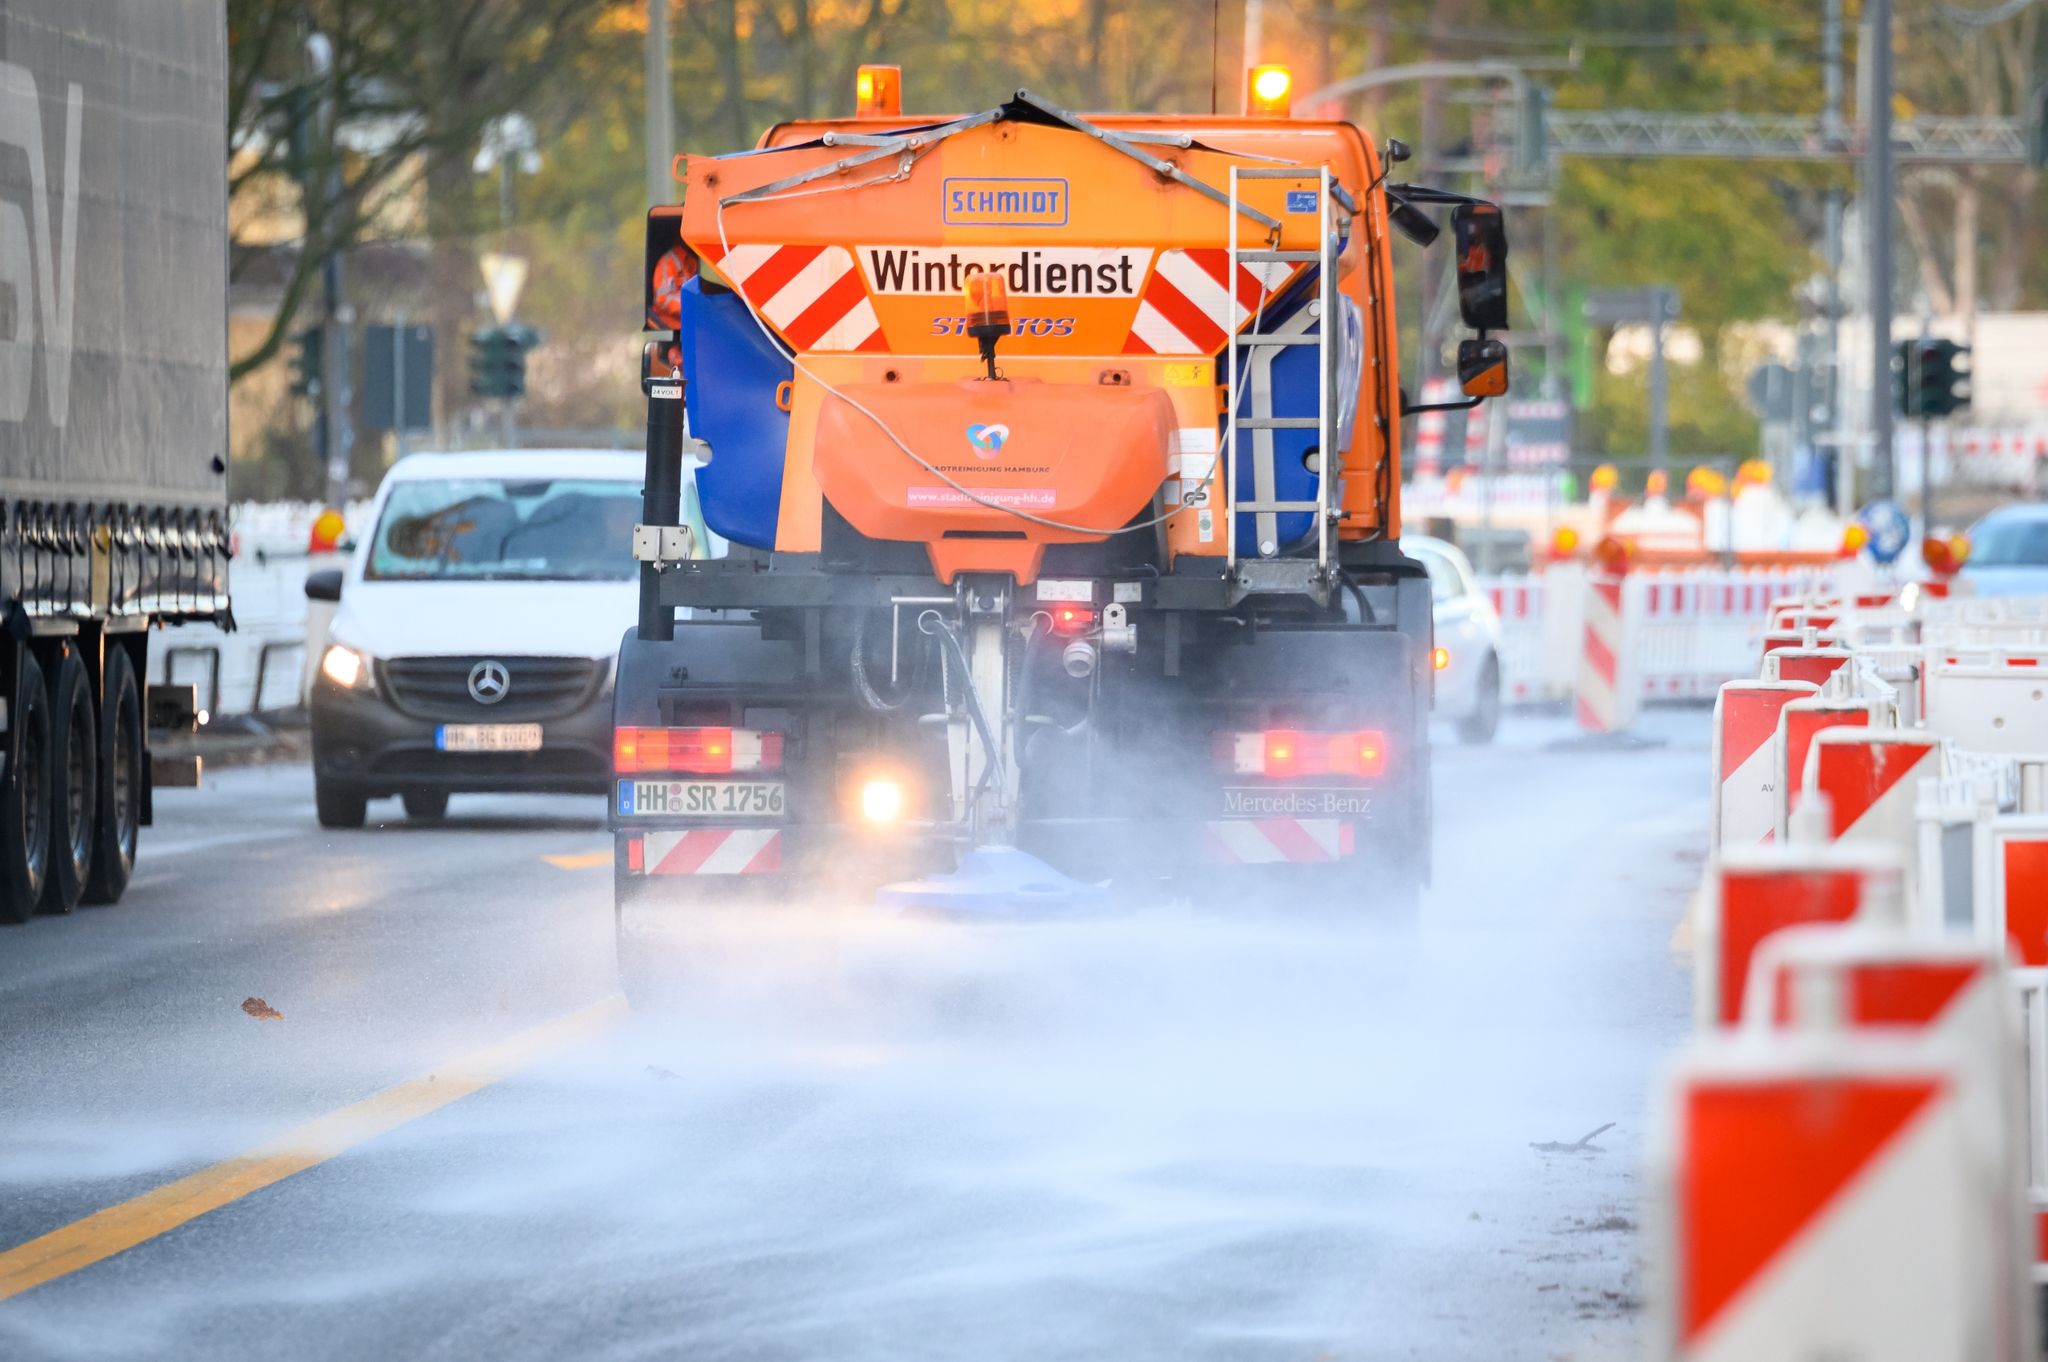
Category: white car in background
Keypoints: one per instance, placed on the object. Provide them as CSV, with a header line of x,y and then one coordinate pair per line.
x,y
1467,655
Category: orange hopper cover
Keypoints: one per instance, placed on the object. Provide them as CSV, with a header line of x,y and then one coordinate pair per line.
x,y
1087,455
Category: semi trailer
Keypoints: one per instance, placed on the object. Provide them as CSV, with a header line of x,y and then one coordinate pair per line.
x,y
113,417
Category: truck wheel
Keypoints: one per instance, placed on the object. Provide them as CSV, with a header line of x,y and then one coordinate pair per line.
x,y
74,783
648,983
121,758
1483,722
337,807
25,794
425,806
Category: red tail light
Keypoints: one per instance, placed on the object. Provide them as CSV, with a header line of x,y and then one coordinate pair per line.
x,y
1072,619
1284,753
696,751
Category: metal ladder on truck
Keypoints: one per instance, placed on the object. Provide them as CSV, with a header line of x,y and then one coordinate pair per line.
x,y
1319,324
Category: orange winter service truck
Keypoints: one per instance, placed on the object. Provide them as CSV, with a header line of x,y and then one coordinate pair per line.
x,y
1055,463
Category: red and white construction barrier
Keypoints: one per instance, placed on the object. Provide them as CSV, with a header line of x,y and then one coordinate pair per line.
x,y
1688,630
2011,882
1606,698
1752,892
1519,604
1814,665
1799,723
1862,1169
1830,1196
1746,759
1870,779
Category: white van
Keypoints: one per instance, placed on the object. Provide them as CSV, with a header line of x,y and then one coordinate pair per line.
x,y
476,631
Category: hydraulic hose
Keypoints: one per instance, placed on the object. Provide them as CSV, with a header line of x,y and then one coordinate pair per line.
x,y
930,622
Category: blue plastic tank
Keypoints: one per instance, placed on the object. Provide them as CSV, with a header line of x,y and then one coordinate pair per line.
x,y
733,371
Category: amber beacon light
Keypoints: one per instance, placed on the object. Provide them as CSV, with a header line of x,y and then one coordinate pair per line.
x,y
1269,91
988,313
878,90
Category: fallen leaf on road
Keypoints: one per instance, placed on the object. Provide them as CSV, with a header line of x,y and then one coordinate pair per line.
x,y
261,1010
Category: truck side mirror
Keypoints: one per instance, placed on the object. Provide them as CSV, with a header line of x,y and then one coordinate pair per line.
x,y
1482,240
324,585
1483,368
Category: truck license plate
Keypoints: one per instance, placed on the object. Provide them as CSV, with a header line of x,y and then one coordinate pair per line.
x,y
700,798
488,737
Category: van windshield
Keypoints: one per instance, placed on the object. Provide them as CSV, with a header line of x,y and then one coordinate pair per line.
x,y
531,529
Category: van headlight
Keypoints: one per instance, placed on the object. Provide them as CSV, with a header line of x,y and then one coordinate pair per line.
x,y
345,667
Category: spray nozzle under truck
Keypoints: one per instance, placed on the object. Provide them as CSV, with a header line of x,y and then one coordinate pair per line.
x,y
1058,458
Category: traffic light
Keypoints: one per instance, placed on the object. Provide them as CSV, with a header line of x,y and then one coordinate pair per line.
x,y
1930,377
497,360
307,354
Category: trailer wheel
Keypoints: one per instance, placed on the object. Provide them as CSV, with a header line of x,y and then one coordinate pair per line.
x,y
121,758
74,782
25,793
337,806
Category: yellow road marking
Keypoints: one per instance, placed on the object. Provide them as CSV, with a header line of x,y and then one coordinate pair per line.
x,y
105,1233
582,860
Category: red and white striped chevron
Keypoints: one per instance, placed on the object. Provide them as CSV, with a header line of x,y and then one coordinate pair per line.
x,y
711,851
812,295
1604,703
1745,733
1276,841
2018,886
1186,308
1755,892
1830,1203
1798,722
1870,779
1834,981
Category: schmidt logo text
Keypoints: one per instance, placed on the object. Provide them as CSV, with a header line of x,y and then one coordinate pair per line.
x,y
1001,201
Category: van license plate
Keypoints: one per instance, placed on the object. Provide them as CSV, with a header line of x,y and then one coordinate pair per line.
x,y
700,799
488,737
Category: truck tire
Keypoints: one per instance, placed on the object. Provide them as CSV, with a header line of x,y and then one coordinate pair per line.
x,y
25,793
121,757
74,782
337,806
425,806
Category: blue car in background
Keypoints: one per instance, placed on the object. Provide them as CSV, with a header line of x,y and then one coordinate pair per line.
x,y
2009,552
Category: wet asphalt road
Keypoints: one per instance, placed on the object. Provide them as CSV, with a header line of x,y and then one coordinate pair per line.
x,y
1166,1138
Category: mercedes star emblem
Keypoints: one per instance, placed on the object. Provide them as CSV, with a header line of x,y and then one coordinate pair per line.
x,y
488,682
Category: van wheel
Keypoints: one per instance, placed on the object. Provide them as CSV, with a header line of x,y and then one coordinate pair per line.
x,y
121,758
425,806
25,794
337,806
74,783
